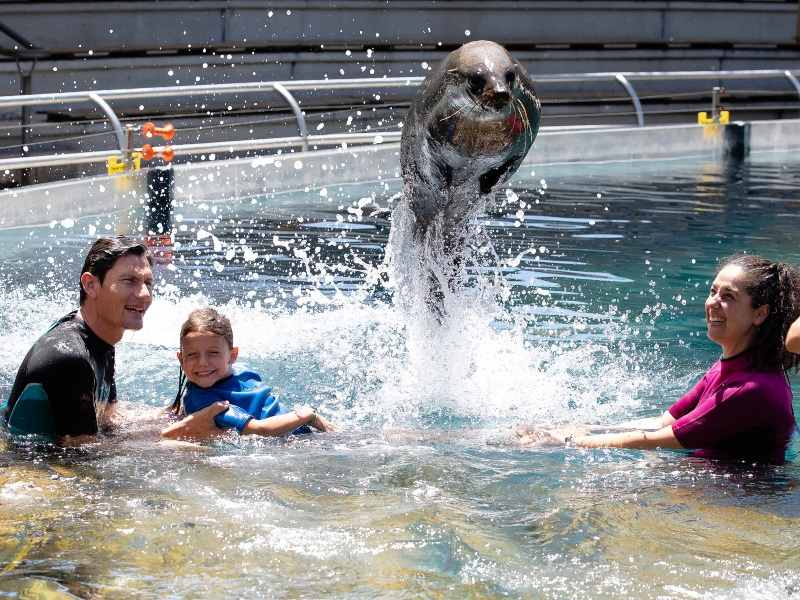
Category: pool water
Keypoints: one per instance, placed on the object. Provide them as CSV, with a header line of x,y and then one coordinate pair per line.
x,y
591,311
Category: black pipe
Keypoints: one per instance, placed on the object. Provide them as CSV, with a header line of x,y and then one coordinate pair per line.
x,y
158,213
736,141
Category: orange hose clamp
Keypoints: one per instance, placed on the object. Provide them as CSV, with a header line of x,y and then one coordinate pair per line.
x,y
150,129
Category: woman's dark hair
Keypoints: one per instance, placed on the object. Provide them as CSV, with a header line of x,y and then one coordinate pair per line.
x,y
776,284
105,252
206,320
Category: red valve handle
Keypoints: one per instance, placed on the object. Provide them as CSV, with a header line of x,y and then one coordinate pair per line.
x,y
149,153
150,129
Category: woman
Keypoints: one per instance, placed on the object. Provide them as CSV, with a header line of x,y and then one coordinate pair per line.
x,y
742,407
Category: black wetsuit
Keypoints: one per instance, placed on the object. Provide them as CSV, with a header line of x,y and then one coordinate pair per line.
x,y
76,369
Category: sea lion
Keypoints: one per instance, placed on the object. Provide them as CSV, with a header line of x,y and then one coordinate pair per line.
x,y
472,123
470,126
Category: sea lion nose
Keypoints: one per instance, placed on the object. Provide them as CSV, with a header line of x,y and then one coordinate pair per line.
x,y
498,94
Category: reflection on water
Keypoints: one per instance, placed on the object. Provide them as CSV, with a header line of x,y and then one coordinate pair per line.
x,y
598,317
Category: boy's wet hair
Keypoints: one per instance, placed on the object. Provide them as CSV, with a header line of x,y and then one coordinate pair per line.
x,y
205,320
210,321
105,252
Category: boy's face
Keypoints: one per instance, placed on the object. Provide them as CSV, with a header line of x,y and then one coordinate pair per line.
x,y
206,358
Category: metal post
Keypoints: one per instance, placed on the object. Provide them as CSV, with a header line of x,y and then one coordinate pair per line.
x,y
25,85
623,81
716,93
298,114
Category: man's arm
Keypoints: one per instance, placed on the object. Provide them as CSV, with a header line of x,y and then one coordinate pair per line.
x,y
197,426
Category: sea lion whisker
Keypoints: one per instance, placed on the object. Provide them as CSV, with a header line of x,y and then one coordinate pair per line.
x,y
524,116
527,120
454,113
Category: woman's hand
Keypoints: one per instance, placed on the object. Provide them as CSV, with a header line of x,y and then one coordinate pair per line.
x,y
197,426
541,436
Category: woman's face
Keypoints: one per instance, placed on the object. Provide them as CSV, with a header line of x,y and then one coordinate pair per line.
x,y
730,316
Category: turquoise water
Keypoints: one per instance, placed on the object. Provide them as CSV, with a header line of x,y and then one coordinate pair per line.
x,y
592,312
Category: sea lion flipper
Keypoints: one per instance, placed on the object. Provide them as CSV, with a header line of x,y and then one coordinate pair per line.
x,y
493,176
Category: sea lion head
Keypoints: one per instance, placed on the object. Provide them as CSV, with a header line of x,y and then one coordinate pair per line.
x,y
486,73
485,103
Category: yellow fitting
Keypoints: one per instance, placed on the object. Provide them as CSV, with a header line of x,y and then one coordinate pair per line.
x,y
115,166
703,118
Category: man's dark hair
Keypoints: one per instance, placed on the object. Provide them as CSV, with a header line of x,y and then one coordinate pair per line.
x,y
105,252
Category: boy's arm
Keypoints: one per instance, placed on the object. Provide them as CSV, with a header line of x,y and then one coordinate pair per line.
x,y
286,423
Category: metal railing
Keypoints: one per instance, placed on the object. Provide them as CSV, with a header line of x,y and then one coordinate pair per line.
x,y
304,140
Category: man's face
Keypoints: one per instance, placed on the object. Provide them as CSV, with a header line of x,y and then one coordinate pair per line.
x,y
125,294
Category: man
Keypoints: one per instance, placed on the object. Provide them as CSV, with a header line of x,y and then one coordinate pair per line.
x,y
64,389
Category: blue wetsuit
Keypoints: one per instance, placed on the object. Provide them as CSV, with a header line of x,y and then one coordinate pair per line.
x,y
249,399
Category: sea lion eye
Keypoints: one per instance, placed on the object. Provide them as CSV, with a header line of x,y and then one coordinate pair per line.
x,y
477,83
510,77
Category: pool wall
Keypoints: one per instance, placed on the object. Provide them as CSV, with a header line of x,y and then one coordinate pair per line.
x,y
124,197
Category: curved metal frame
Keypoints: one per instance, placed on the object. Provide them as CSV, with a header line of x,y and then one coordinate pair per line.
x,y
622,80
793,80
298,114
122,139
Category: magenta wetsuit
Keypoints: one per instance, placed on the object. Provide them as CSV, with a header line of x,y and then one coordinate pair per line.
x,y
735,412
